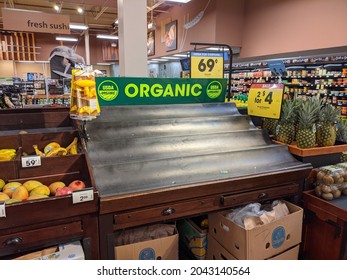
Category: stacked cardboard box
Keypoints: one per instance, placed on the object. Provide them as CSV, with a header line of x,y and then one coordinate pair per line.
x,y
279,239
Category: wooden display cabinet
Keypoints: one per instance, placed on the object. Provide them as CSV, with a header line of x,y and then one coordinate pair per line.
x,y
325,228
36,224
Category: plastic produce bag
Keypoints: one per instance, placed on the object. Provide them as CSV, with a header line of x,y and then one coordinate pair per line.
x,y
255,214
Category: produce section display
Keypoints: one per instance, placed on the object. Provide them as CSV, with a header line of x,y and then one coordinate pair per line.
x,y
309,123
13,192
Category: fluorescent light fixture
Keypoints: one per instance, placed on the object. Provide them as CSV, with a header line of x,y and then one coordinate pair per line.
x,y
170,57
108,37
159,59
180,55
78,26
179,1
221,49
67,39
103,63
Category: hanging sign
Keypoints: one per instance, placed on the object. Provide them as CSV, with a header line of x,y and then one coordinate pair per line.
x,y
207,64
265,100
115,91
34,21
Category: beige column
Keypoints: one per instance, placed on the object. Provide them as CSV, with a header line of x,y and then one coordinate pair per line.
x,y
132,42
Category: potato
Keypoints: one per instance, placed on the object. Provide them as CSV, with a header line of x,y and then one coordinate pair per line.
x,y
318,190
337,178
344,191
327,196
333,188
326,189
336,193
328,180
320,176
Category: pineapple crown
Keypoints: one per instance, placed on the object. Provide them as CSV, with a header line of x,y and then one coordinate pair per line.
x,y
341,133
308,112
288,111
329,114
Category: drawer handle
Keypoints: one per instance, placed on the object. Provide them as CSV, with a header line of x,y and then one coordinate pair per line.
x,y
168,211
13,241
263,195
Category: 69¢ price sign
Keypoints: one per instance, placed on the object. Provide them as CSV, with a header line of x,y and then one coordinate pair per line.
x,y
265,100
206,65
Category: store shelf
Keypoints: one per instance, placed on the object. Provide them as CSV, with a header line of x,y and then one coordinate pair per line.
x,y
316,151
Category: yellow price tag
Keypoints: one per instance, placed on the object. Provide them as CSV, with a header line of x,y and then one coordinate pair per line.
x,y
265,100
206,65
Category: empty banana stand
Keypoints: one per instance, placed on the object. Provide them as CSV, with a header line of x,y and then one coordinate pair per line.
x,y
159,163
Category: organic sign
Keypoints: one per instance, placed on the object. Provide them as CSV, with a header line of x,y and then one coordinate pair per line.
x,y
113,91
207,64
265,100
34,21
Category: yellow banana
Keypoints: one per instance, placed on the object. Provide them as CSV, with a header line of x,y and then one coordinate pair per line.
x,y
5,151
37,151
72,148
57,152
49,147
5,158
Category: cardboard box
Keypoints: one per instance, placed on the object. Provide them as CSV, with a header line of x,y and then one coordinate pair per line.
x,y
193,237
216,251
165,248
261,242
69,251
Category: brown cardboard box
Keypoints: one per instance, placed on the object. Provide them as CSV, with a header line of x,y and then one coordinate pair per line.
x,y
261,242
165,248
215,251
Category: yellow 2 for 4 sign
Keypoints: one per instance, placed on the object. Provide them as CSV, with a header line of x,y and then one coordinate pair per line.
x,y
265,100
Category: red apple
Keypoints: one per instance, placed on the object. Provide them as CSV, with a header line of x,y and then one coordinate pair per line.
x,y
63,191
77,185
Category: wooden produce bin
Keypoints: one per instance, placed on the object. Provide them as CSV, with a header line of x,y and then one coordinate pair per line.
x,y
159,163
325,228
33,225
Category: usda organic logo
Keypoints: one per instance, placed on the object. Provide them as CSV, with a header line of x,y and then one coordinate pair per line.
x,y
108,90
214,89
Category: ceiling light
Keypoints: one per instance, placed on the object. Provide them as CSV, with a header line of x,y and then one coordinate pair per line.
x,y
170,57
57,8
108,37
151,26
67,39
78,26
159,59
80,10
179,1
180,55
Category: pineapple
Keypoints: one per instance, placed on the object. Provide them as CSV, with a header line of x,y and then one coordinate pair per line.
x,y
270,125
341,133
326,132
307,118
285,131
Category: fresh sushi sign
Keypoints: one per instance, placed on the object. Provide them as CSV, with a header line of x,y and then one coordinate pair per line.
x,y
113,91
265,100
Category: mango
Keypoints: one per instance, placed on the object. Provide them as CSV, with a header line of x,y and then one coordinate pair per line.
x,y
9,188
20,193
41,190
31,184
36,196
54,186
3,196
2,184
11,201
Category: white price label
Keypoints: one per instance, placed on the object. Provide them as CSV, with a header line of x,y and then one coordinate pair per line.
x,y
2,210
82,195
31,161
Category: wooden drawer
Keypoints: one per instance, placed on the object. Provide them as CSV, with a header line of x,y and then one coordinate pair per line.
x,y
260,195
20,241
165,212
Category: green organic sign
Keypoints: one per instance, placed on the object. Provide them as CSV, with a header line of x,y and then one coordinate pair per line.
x,y
113,91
